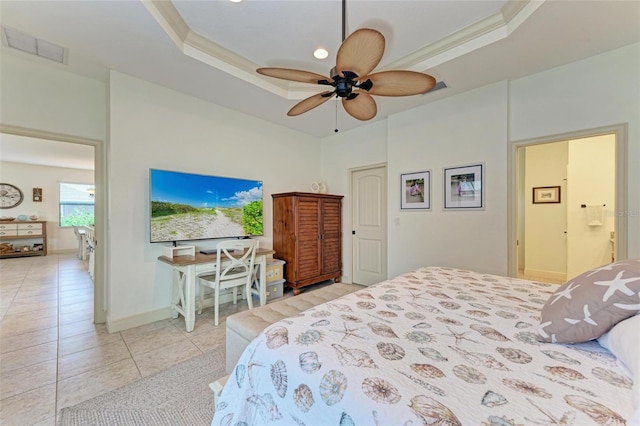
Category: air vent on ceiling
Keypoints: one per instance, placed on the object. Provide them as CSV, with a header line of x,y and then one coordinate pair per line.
x,y
34,46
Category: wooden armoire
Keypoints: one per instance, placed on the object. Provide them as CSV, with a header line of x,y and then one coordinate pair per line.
x,y
307,234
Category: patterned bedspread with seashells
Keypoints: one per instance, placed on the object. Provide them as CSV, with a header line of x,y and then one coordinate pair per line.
x,y
434,346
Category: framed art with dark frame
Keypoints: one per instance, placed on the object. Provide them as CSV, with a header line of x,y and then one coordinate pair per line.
x,y
464,187
416,191
37,195
546,194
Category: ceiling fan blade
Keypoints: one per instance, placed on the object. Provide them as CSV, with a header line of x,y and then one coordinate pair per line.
x,y
360,52
309,103
400,83
292,75
362,107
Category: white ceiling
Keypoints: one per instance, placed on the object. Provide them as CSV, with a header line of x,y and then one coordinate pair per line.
x,y
210,49
20,149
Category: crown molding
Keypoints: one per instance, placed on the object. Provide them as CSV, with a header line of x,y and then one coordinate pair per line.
x,y
470,38
10,129
475,36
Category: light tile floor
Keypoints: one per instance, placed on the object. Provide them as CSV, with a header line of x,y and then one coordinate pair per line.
x,y
53,356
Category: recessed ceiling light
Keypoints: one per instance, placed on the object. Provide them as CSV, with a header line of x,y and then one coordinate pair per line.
x,y
235,1
320,53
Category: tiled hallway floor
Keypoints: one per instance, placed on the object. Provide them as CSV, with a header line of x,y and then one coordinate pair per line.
x,y
52,355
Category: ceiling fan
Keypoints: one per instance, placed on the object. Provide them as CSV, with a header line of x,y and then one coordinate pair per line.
x,y
351,77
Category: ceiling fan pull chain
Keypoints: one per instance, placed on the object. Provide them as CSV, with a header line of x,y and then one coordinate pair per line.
x,y
344,19
336,129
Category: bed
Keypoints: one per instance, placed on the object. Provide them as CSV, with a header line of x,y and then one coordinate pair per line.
x,y
435,346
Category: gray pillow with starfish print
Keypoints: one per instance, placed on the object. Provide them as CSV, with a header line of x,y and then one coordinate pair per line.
x,y
590,304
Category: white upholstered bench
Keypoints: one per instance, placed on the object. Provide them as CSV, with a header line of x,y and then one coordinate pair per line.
x,y
243,327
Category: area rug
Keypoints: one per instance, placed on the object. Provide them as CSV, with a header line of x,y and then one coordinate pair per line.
x,y
177,396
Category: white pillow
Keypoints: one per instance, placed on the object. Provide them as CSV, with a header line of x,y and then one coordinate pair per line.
x,y
623,340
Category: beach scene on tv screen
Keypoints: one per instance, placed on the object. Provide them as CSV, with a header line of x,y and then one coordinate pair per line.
x,y
192,207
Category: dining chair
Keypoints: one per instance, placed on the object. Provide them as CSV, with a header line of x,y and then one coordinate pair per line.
x,y
234,268
80,235
91,248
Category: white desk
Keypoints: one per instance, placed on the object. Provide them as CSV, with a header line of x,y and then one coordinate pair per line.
x,y
186,270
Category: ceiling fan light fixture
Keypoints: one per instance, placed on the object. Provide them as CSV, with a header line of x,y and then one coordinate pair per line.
x,y
320,53
351,77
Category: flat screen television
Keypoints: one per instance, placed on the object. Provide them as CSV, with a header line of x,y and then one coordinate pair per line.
x,y
187,206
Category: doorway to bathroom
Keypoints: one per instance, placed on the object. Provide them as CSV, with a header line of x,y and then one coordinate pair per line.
x,y
568,195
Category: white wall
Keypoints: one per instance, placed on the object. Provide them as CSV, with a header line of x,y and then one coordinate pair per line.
x,y
476,126
544,238
28,176
600,91
463,129
591,181
154,127
37,95
41,96
343,151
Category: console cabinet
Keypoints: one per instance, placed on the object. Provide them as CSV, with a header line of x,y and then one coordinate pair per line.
x,y
17,233
307,234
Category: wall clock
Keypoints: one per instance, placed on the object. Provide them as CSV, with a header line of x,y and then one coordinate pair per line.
x,y
10,196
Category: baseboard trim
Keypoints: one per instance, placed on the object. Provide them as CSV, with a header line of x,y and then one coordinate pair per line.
x,y
114,326
545,274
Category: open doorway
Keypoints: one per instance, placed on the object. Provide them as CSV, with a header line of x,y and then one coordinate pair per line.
x,y
40,143
566,193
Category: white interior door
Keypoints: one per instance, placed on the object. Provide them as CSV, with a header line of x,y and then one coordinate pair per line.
x,y
369,225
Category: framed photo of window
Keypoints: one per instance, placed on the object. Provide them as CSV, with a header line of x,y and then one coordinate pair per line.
x,y
415,190
464,187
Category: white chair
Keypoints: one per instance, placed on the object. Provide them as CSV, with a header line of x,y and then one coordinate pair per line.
x,y
91,248
234,268
82,245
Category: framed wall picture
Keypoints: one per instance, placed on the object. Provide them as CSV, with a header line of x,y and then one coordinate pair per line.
x,y
464,187
416,191
546,194
37,195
